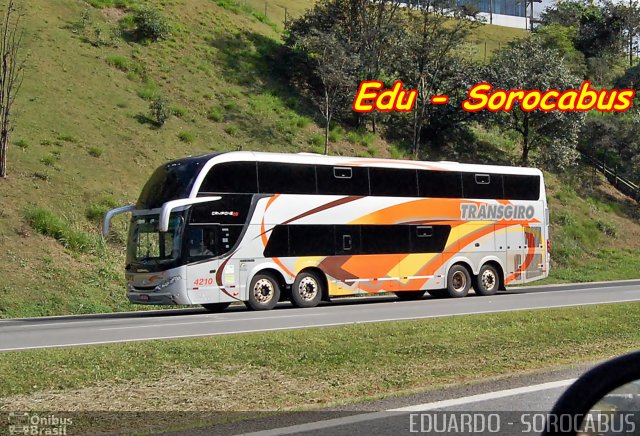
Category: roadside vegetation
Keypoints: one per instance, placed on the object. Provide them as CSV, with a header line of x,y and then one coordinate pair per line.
x,y
113,89
308,369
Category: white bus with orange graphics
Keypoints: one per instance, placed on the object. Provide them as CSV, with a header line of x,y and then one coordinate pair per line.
x,y
264,227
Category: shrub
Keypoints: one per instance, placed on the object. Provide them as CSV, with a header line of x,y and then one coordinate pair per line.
x,y
231,130
96,151
119,62
149,91
47,223
178,111
22,143
49,160
150,24
215,114
160,110
95,212
186,137
606,228
317,139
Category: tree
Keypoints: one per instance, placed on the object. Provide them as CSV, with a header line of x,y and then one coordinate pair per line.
x,y
370,30
334,69
526,64
11,75
432,65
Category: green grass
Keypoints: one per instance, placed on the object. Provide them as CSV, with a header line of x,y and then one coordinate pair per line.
x,y
314,367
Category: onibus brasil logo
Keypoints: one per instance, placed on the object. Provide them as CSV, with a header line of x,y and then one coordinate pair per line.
x,y
371,96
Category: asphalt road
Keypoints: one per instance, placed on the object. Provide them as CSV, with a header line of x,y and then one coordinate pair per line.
x,y
21,334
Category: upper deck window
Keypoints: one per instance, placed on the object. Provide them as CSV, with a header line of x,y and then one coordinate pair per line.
x,y
392,182
440,184
236,177
335,180
284,178
482,185
521,187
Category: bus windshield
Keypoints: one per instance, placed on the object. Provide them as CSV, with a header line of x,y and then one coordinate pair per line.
x,y
147,246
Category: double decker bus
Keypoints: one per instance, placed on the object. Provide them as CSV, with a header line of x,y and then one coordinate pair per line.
x,y
265,227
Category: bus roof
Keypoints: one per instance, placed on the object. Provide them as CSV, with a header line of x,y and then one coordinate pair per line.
x,y
318,159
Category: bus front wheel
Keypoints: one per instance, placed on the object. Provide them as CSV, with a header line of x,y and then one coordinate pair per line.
x,y
458,281
307,289
215,307
264,292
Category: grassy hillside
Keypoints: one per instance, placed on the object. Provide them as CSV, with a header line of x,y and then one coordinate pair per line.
x,y
84,140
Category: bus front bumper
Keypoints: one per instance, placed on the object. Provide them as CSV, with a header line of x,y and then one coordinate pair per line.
x,y
168,290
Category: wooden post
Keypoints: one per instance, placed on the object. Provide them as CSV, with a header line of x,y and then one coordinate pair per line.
x,y
285,17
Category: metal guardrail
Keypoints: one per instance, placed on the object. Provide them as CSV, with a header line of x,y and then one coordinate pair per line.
x,y
623,185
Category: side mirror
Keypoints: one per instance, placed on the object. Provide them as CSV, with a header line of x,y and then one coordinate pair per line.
x,y
106,223
603,401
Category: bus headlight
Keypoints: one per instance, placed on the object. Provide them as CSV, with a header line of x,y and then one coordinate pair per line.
x,y
166,283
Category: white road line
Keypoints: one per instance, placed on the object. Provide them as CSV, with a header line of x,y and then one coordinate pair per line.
x,y
354,419
408,318
484,397
306,315
200,335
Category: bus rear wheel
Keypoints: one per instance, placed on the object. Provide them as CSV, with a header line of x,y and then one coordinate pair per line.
x,y
458,281
264,292
307,289
215,307
409,295
487,280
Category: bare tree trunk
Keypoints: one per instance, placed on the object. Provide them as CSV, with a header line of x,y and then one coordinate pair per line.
x,y
525,142
3,158
327,117
11,69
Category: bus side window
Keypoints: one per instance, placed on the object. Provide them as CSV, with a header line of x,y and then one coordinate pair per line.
x,y
202,241
521,187
347,239
439,184
486,186
392,182
342,180
286,178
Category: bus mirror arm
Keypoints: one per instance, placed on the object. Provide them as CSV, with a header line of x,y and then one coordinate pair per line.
x,y
169,206
106,223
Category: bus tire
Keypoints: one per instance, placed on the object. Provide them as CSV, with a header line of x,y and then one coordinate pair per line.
x,y
307,289
409,295
264,292
215,307
487,280
458,281
438,293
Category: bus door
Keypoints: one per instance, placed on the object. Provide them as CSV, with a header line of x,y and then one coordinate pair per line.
x,y
535,252
203,244
516,251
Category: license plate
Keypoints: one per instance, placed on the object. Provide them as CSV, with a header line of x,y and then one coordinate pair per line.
x,y
143,297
